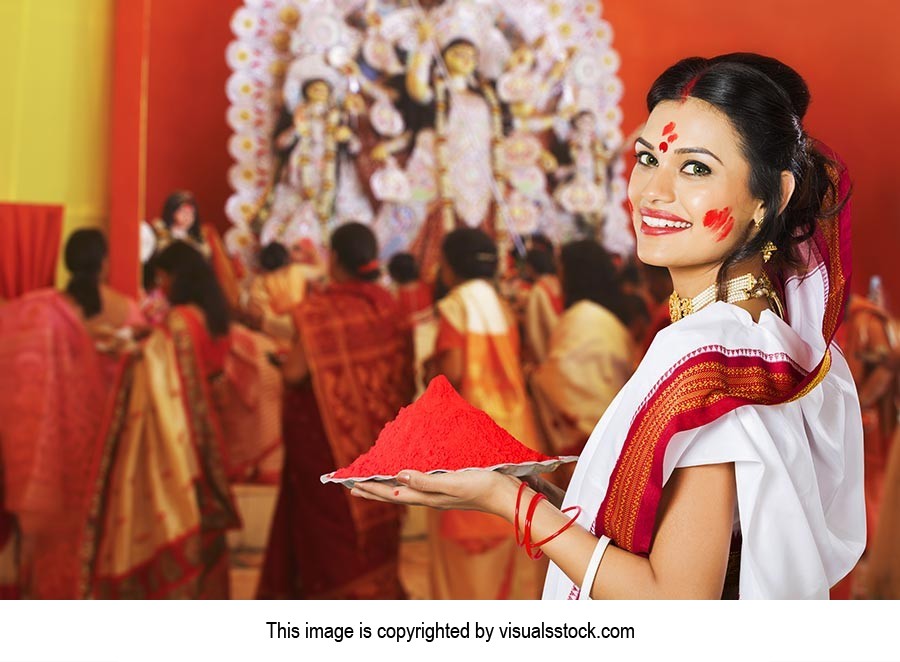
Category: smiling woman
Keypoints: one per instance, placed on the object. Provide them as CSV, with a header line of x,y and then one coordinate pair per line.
x,y
730,464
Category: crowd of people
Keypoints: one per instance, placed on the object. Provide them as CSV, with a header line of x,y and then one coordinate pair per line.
x,y
128,478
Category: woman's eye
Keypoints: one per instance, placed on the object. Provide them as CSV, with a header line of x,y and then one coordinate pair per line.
x,y
646,159
696,169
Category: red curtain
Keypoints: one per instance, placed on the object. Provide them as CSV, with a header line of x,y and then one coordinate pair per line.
x,y
29,247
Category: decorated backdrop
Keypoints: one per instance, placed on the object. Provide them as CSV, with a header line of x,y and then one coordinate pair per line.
x,y
418,117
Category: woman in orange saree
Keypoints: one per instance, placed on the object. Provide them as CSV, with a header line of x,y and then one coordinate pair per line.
x,y
473,555
159,530
349,375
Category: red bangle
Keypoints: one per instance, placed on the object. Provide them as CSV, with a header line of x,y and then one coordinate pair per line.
x,y
516,520
564,527
535,500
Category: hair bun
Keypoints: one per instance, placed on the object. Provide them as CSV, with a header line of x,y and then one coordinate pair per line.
x,y
781,74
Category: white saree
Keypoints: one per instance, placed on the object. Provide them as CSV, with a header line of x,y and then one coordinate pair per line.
x,y
798,463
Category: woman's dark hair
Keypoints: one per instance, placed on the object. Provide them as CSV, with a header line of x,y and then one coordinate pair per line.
x,y
193,282
588,273
84,255
274,256
634,307
403,268
541,261
541,241
765,100
171,205
470,253
356,249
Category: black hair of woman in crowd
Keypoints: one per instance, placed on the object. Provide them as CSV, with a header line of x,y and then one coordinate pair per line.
x,y
588,273
273,257
172,204
471,253
356,249
541,262
765,100
194,282
403,268
85,254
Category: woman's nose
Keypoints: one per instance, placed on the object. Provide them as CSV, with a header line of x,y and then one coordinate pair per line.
x,y
659,186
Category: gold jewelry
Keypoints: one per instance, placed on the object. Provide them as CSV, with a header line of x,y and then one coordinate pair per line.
x,y
767,251
758,223
737,289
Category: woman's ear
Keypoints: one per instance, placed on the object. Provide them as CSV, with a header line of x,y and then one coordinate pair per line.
x,y
788,184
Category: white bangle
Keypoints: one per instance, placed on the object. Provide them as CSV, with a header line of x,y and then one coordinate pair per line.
x,y
592,567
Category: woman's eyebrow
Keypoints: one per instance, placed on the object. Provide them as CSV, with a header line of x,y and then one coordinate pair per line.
x,y
697,150
645,143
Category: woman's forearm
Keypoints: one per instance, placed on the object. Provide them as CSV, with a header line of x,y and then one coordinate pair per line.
x,y
690,551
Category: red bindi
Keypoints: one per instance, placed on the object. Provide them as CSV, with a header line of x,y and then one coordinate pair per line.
x,y
672,138
668,128
719,221
663,147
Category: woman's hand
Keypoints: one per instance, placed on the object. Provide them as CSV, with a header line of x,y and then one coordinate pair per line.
x,y
476,489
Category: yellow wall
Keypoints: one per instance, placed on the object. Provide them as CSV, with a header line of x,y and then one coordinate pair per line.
x,y
55,77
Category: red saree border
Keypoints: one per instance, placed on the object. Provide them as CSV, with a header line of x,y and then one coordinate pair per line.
x,y
113,421
706,385
217,508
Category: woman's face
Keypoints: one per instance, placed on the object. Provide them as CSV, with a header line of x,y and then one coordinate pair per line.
x,y
184,217
689,190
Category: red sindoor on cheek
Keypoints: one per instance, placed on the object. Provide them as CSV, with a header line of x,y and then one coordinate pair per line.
x,y
719,221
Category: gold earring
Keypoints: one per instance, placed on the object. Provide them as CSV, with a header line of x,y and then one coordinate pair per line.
x,y
767,251
758,223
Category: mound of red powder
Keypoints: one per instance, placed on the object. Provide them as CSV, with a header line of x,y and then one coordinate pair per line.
x,y
439,431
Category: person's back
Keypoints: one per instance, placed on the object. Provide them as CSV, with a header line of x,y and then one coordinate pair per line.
x,y
348,374
478,351
54,396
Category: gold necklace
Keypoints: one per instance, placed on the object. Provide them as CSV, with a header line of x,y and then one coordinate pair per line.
x,y
737,289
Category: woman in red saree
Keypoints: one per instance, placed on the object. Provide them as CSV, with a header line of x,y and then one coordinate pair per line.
x,y
50,450
349,375
159,529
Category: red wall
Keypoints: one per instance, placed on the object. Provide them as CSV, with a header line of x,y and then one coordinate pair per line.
x,y
849,54
187,132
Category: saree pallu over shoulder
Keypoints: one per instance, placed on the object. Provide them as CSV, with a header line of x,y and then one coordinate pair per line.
x,y
159,531
493,379
360,355
55,392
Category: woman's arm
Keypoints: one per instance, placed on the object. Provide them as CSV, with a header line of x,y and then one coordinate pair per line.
x,y
690,550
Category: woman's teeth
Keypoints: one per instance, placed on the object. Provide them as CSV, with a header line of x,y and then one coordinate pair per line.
x,y
655,222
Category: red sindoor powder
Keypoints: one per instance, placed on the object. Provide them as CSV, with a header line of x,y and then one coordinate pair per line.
x,y
439,431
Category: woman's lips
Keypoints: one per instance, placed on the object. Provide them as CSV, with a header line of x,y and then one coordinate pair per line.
x,y
657,222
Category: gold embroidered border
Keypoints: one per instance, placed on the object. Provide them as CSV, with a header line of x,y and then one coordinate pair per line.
x,y
693,388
